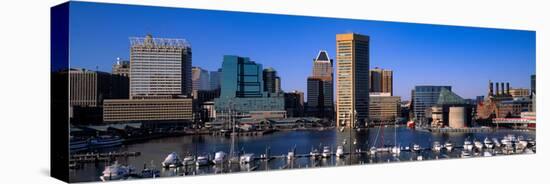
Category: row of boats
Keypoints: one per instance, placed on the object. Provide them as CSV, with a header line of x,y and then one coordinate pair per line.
x,y
118,171
508,144
326,153
173,160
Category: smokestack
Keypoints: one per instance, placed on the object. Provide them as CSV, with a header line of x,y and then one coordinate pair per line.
x,y
490,88
497,92
502,88
507,88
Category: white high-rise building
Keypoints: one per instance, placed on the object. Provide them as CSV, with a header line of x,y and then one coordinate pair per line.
x,y
159,67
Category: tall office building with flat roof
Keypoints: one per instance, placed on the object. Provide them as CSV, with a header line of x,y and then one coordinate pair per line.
x,y
272,82
352,79
159,67
381,81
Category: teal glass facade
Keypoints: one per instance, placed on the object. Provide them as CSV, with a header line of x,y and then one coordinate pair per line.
x,y
242,88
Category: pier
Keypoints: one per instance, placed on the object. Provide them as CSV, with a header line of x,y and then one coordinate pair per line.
x,y
100,157
462,130
246,133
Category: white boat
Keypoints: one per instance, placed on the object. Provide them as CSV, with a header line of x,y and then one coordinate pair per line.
x,y
522,144
436,146
449,146
290,155
172,160
202,161
466,154
188,160
488,143
396,150
468,145
355,142
114,172
326,152
219,157
340,152
416,147
247,158
373,150
314,154
511,137
478,145
508,145
105,141
496,142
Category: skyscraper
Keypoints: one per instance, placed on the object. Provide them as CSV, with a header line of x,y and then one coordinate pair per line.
x,y
272,82
278,85
241,77
215,79
381,81
242,90
159,67
320,97
352,79
322,65
200,79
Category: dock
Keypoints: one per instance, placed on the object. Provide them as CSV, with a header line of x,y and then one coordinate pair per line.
x,y
246,133
462,130
100,157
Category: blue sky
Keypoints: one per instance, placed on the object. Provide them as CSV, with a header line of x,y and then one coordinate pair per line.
x,y
419,54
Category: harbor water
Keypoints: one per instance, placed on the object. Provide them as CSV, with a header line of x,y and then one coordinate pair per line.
x,y
278,144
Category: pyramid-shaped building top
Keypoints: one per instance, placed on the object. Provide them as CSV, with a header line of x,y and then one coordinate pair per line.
x,y
322,56
447,97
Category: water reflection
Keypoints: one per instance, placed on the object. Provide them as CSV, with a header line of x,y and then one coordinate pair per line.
x,y
280,143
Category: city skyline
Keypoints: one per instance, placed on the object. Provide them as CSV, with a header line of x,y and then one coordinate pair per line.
x,y
415,52
148,83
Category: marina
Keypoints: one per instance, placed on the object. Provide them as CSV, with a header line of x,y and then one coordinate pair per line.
x,y
208,154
